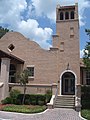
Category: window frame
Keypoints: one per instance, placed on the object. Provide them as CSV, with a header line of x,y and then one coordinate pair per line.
x,y
87,77
61,16
72,16
66,15
32,67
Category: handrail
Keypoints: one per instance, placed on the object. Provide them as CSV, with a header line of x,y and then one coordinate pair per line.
x,y
54,100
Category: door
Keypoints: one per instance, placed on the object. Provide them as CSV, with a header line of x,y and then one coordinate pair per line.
x,y
69,86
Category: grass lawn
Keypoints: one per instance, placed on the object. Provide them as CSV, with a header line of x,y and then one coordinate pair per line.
x,y
23,108
85,113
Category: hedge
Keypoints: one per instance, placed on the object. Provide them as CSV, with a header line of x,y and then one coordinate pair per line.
x,y
85,97
33,99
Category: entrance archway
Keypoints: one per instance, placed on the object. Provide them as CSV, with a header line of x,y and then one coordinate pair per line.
x,y
67,83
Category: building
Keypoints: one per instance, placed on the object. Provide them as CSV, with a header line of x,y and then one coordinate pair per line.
x,y
59,69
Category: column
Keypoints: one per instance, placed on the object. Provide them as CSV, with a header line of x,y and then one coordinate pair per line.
x,y
5,64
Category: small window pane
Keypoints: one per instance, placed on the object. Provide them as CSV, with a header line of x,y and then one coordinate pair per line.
x,y
31,71
67,15
61,16
88,77
72,15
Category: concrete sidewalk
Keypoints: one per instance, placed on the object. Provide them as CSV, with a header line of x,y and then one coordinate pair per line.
x,y
51,114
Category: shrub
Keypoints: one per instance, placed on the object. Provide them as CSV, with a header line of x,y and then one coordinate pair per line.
x,y
7,100
49,92
14,94
85,90
34,99
41,99
48,95
85,97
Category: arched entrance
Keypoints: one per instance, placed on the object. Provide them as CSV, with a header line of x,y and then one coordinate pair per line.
x,y
67,83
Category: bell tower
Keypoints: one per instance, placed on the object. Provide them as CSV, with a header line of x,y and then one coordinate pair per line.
x,y
67,26
66,41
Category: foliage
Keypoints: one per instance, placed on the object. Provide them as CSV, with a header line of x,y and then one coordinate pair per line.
x,y
86,113
86,57
14,93
7,100
3,31
23,79
34,99
85,97
48,95
85,90
13,97
85,101
24,108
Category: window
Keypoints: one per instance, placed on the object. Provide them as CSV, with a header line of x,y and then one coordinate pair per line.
x,y
12,73
11,47
88,77
66,15
31,71
72,15
61,16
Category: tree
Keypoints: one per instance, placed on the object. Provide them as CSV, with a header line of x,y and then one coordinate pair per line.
x,y
3,31
86,57
23,79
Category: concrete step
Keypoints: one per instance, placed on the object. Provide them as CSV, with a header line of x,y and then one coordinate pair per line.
x,y
57,106
65,102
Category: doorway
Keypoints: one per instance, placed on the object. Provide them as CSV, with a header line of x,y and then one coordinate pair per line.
x,y
68,84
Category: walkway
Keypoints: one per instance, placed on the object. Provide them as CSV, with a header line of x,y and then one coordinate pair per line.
x,y
52,114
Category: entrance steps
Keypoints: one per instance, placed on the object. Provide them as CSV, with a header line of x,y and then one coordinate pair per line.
x,y
65,101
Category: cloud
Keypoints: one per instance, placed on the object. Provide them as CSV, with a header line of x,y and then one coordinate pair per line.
x,y
12,15
23,16
31,29
48,8
10,12
81,53
83,4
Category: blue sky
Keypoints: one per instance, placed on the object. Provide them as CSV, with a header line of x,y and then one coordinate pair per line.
x,y
35,19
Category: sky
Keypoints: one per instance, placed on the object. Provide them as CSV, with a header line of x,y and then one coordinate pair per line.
x,y
35,19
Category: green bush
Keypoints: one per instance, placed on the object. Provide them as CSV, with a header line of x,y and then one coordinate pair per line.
x,y
7,100
34,99
14,94
48,95
41,99
85,97
85,89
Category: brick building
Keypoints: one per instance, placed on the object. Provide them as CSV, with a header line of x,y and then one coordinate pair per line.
x,y
58,69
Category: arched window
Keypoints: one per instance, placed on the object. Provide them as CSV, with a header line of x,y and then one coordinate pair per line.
x,y
66,15
72,15
61,16
12,73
